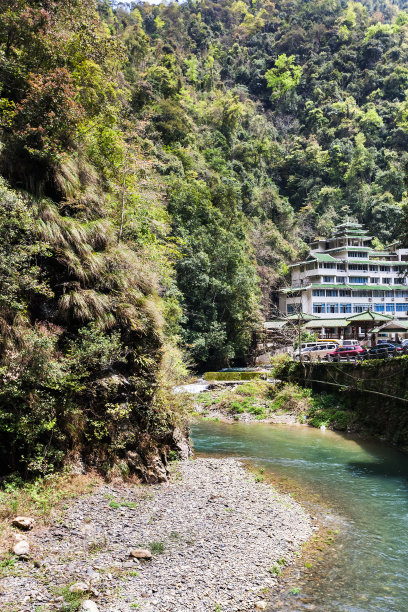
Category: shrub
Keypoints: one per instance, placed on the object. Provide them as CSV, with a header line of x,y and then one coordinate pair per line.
x,y
292,398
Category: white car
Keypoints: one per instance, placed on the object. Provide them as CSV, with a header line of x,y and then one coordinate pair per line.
x,y
319,352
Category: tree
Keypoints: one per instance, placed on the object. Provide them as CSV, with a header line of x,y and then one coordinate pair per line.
x,y
284,76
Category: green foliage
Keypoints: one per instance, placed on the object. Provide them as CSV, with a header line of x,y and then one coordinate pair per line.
x,y
284,76
232,375
328,410
164,167
156,548
292,398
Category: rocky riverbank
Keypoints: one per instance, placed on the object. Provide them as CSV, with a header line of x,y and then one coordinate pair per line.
x,y
215,536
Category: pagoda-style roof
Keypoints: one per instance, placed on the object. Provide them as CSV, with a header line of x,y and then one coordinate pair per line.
x,y
394,326
341,322
368,316
325,257
304,316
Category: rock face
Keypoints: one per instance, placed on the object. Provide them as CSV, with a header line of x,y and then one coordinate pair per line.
x,y
21,549
140,553
23,522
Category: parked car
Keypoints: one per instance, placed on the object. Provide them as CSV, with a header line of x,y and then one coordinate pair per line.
x,y
304,350
349,343
319,352
345,352
386,349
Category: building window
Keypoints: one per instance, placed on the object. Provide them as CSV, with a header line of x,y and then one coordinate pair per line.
x,y
319,308
332,293
389,293
401,307
292,308
379,307
332,308
360,294
390,307
329,265
345,293
373,268
386,281
341,267
357,267
358,280
341,279
345,308
397,281
373,280
385,269
401,294
360,307
328,279
354,254
318,292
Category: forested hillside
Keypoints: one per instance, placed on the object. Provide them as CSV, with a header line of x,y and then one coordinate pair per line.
x,y
279,119
160,167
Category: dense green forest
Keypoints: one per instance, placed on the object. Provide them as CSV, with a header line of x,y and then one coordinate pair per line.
x,y
160,167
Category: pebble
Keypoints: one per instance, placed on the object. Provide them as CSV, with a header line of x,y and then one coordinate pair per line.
x,y
79,587
219,530
23,522
22,548
140,553
88,606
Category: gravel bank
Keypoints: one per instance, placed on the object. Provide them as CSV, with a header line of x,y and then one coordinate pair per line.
x,y
220,532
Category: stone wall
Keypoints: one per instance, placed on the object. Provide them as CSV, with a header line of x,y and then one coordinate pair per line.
x,y
376,390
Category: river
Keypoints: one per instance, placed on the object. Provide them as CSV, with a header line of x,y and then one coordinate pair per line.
x,y
365,485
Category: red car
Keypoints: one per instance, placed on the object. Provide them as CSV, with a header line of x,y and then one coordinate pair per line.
x,y
342,352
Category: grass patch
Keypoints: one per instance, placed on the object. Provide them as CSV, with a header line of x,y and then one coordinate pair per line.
x,y
123,503
252,397
42,499
156,548
72,601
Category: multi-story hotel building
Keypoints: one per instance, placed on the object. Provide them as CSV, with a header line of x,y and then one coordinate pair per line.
x,y
344,275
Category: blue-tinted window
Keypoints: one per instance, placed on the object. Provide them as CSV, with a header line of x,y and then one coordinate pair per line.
x,y
390,307
346,308
379,307
318,308
332,308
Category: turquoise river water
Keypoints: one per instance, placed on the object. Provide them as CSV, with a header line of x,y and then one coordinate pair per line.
x,y
365,486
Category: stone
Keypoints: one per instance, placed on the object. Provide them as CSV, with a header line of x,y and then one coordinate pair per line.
x,y
140,553
88,606
23,522
260,605
79,587
22,548
20,537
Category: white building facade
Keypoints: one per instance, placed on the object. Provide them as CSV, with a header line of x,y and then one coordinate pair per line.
x,y
344,276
